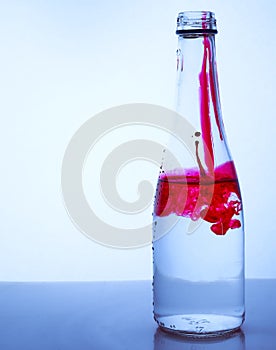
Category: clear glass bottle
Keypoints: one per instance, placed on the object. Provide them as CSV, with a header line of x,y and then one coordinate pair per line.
x,y
198,233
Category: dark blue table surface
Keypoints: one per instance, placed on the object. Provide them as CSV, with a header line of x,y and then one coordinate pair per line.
x,y
116,315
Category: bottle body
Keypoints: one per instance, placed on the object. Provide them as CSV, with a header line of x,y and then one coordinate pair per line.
x,y
198,233
196,289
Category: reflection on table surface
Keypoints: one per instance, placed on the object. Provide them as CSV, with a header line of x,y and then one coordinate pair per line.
x,y
166,341
116,315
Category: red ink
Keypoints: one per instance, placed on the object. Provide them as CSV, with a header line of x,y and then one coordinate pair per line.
x,y
205,111
213,81
191,195
207,86
209,193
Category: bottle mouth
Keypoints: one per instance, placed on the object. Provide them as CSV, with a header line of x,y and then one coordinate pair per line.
x,y
196,22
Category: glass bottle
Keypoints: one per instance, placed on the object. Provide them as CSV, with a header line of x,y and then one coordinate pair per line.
x,y
198,233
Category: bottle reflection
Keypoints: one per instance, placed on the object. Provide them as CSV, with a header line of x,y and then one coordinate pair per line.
x,y
166,341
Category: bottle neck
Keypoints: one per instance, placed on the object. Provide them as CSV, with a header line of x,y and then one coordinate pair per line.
x,y
197,91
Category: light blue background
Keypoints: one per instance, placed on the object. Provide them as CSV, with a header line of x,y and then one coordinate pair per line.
x,y
62,62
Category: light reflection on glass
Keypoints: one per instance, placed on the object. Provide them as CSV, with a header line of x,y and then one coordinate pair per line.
x,y
166,341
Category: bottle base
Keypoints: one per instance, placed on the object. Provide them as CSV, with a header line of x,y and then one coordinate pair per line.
x,y
200,325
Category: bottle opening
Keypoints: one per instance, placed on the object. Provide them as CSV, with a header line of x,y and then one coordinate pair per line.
x,y
196,22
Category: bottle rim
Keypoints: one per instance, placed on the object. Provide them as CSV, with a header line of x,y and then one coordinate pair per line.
x,y
196,22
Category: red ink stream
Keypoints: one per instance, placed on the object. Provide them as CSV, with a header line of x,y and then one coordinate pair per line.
x,y
205,111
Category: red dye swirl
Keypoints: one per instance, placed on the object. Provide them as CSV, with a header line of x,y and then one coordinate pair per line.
x,y
194,196
207,193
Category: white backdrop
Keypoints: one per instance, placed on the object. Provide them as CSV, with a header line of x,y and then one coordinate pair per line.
x,y
62,62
